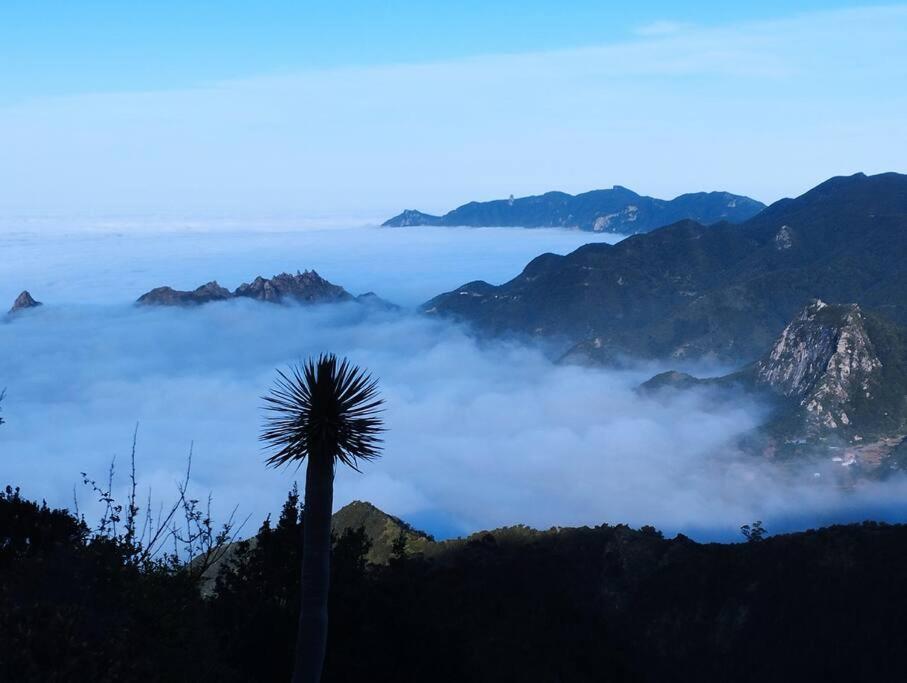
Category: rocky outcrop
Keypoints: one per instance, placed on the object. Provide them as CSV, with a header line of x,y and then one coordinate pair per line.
x,y
167,296
837,377
306,287
825,360
23,301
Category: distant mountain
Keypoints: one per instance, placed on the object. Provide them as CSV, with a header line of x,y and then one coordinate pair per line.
x,y
410,218
689,291
837,377
617,210
307,287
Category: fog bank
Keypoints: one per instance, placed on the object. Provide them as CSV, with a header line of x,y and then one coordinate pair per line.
x,y
479,435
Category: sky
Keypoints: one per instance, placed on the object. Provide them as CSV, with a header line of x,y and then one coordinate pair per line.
x,y
356,110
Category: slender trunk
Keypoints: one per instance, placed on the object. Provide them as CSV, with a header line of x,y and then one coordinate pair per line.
x,y
311,638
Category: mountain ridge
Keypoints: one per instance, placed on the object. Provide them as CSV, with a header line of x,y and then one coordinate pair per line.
x,y
616,210
691,291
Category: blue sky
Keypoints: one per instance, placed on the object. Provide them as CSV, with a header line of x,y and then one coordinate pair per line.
x,y
54,47
361,108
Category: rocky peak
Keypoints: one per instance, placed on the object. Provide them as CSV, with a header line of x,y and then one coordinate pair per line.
x,y
825,360
307,287
23,301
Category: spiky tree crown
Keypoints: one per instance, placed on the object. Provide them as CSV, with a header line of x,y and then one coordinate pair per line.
x,y
323,406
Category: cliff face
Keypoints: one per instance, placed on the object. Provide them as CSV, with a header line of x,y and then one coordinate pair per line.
x,y
837,377
825,360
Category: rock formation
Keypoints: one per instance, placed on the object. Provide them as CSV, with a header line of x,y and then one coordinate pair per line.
x,y
837,378
824,360
23,301
307,287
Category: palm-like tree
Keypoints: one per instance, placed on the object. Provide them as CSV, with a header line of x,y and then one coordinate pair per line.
x,y
322,412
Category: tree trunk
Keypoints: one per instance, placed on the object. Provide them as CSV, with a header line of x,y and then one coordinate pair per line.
x,y
311,638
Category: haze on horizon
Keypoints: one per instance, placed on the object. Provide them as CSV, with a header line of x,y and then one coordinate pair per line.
x,y
295,115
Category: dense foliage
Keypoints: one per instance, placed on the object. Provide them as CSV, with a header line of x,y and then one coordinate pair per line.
x,y
588,604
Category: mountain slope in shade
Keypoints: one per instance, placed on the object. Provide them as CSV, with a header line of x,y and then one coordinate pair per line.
x,y
689,291
617,210
837,376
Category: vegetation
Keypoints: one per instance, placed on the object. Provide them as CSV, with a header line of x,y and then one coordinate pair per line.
x,y
323,413
754,532
587,604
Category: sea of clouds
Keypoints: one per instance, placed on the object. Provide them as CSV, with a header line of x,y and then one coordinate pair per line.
x,y
480,434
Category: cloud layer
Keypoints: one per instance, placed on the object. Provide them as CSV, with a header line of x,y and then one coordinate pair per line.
x,y
479,434
73,261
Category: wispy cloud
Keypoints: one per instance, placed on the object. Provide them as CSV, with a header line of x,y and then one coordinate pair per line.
x,y
755,105
664,27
